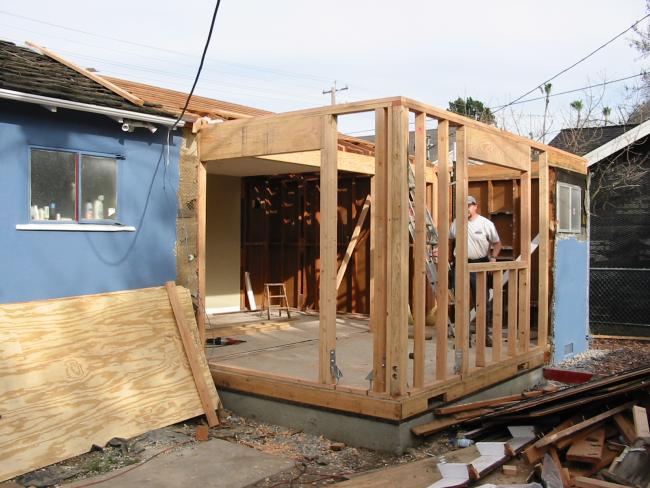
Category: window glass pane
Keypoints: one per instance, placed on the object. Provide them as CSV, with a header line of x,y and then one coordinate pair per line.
x,y
576,209
564,208
98,188
52,185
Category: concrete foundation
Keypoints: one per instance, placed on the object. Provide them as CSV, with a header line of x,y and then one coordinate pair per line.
x,y
355,430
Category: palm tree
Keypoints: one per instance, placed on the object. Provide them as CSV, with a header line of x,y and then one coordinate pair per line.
x,y
546,90
607,111
577,105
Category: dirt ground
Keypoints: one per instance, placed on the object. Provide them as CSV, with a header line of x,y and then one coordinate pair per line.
x,y
319,461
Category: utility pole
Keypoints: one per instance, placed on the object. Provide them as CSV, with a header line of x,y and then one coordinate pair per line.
x,y
332,91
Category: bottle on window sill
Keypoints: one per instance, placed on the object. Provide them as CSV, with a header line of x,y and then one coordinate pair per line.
x,y
89,210
98,208
52,211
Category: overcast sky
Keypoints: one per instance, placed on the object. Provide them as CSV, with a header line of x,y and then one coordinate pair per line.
x,y
280,55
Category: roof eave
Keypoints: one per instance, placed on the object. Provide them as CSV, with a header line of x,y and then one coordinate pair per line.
x,y
618,143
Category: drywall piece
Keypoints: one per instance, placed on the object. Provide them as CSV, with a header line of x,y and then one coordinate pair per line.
x,y
490,454
79,371
521,435
453,474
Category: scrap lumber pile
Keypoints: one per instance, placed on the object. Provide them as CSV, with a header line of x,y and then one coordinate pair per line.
x,y
598,429
77,372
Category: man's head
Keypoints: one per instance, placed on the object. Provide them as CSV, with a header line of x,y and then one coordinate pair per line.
x,y
472,207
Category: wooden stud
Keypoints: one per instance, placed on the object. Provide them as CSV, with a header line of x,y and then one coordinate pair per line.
x,y
354,240
524,274
462,276
640,417
192,356
419,252
397,252
497,315
512,312
543,252
481,316
442,223
584,482
496,149
201,183
378,215
328,248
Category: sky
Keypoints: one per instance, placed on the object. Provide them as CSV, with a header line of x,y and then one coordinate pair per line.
x,y
280,55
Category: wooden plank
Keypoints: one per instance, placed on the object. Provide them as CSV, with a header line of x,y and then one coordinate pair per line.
x,y
513,289
261,137
442,223
499,266
524,274
640,417
625,426
419,252
555,458
543,251
397,252
246,329
79,371
201,183
354,240
588,449
347,161
552,438
494,149
249,292
461,320
204,390
378,271
493,402
481,316
583,482
89,74
497,315
328,248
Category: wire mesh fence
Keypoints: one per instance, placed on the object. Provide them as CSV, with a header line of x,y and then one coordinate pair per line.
x,y
619,301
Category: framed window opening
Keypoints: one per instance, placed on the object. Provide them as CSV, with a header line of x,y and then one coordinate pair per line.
x,y
72,187
569,208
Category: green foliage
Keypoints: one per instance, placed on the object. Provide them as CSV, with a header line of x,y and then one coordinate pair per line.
x,y
471,108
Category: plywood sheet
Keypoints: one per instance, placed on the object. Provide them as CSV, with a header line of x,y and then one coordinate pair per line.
x,y
78,371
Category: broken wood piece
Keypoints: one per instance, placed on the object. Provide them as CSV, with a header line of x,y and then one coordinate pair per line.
x,y
589,449
625,426
494,402
337,446
641,429
583,482
191,348
533,454
202,432
551,438
434,426
509,470
472,414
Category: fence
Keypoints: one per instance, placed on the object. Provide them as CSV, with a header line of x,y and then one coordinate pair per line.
x,y
619,301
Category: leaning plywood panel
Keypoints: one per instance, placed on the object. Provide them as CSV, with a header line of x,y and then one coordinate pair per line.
x,y
78,371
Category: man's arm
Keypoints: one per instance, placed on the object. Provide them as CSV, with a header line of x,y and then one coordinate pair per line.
x,y
495,242
496,249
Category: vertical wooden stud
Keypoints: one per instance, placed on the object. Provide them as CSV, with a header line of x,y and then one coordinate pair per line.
x,y
397,251
442,223
512,311
419,250
462,276
524,274
481,316
378,285
328,249
201,183
543,252
497,315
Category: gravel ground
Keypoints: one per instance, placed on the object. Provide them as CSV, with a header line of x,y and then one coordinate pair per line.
x,y
609,356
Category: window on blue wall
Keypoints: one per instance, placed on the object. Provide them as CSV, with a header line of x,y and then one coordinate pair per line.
x,y
72,186
569,208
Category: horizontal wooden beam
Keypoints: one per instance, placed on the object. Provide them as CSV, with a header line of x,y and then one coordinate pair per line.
x,y
495,149
501,266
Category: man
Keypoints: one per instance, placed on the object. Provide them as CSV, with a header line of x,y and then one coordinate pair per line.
x,y
483,244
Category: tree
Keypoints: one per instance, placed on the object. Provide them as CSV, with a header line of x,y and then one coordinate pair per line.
x,y
546,90
607,111
577,105
474,109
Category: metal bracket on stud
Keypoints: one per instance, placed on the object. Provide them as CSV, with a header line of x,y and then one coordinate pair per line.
x,y
370,377
334,369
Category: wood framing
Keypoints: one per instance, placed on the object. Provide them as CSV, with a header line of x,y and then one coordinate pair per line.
x,y
354,240
462,303
494,149
543,251
419,252
201,183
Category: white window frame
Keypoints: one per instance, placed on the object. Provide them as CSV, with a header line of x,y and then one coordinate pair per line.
x,y
572,190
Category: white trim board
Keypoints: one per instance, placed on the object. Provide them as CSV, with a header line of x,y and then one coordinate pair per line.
x,y
77,227
618,143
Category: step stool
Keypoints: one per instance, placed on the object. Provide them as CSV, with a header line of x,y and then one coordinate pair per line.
x,y
269,289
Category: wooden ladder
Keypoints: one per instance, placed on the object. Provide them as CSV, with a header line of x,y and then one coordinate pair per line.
x,y
268,299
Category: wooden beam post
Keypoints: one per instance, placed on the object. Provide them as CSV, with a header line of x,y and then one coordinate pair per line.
x,y
201,183
328,245
543,251
481,317
442,222
462,276
497,316
524,274
419,251
397,251
378,219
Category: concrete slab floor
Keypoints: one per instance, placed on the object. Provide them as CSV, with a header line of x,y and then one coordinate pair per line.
x,y
215,463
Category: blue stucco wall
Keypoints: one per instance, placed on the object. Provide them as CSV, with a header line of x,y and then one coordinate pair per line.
x,y
37,265
571,296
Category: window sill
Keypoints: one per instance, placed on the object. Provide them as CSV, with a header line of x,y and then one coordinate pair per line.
x,y
77,227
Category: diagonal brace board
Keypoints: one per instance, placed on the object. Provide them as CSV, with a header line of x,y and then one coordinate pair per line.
x,y
354,240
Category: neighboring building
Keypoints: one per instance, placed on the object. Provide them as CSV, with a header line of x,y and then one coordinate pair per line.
x,y
88,184
619,167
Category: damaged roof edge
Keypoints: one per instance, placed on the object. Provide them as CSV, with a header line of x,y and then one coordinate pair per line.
x,y
86,107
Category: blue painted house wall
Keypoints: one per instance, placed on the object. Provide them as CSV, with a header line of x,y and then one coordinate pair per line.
x,y
571,296
37,265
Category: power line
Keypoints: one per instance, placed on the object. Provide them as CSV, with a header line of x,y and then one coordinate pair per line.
x,y
576,63
568,91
